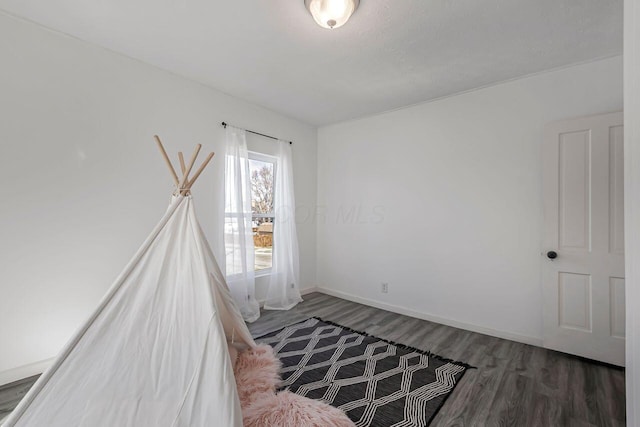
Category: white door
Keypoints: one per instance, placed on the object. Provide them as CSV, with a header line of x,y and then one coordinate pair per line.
x,y
583,285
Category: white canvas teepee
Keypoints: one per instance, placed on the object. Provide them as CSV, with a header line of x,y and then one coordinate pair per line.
x,y
155,351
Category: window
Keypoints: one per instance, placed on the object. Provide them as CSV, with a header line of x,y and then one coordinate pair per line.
x,y
262,170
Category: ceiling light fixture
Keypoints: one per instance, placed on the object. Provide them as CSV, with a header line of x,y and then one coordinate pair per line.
x,y
331,13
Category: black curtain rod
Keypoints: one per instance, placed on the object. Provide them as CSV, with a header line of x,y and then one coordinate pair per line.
x,y
224,125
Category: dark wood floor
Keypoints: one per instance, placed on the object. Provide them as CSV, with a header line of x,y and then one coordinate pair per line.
x,y
515,384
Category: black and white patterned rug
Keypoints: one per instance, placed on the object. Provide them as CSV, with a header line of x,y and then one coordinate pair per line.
x,y
374,381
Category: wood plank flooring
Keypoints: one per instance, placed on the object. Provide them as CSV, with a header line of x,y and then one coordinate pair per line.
x,y
515,384
11,394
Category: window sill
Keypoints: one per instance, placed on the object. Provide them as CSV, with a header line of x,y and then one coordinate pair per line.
x,y
262,273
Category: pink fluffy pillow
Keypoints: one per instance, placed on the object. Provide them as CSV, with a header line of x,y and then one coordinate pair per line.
x,y
287,409
257,375
257,371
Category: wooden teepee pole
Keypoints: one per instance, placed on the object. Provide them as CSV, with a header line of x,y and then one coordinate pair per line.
x,y
183,166
200,169
184,184
185,175
166,159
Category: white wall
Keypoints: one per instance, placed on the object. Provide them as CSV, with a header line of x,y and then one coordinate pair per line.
x,y
632,205
84,183
450,202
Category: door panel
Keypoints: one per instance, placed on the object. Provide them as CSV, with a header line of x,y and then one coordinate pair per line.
x,y
616,191
616,289
583,288
574,198
574,301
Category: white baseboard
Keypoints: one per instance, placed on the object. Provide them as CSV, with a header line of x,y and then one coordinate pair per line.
x,y
308,291
525,339
303,292
25,371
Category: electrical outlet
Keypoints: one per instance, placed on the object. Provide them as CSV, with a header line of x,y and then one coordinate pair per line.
x,y
384,288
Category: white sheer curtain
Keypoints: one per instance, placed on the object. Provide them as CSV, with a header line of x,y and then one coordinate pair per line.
x,y
284,282
238,232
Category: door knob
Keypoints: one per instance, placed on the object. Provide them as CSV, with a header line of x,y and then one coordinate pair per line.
x,y
552,255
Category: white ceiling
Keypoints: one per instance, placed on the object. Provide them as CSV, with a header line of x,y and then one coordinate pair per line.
x,y
390,54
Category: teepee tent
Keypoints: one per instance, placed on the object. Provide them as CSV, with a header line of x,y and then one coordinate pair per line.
x,y
156,350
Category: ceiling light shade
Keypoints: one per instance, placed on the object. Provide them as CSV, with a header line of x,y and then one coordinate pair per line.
x,y
331,13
